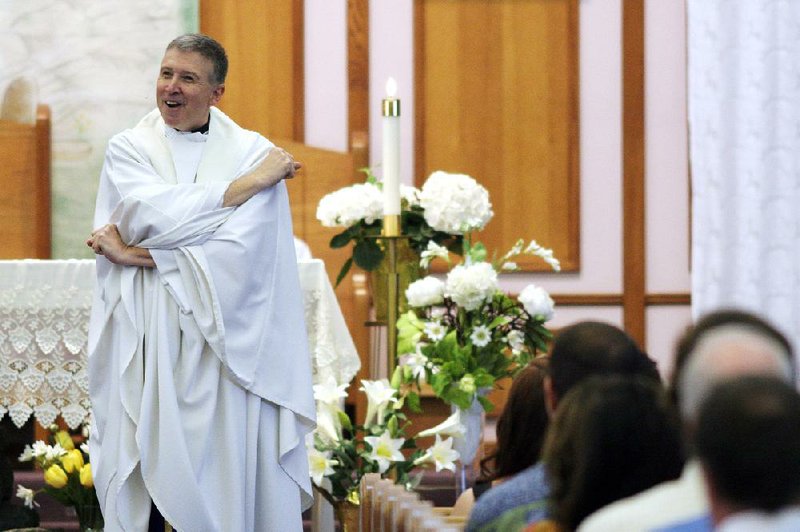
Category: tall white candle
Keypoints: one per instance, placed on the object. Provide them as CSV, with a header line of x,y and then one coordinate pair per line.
x,y
391,149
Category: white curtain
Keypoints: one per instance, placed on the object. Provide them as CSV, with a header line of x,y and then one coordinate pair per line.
x,y
744,116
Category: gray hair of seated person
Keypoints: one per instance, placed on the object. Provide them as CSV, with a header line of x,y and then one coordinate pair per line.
x,y
724,344
208,48
748,440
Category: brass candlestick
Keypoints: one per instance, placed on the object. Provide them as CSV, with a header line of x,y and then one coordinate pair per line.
x,y
390,234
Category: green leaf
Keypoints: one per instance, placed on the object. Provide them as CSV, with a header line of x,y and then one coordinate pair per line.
x,y
342,239
413,402
345,268
392,427
367,254
477,252
485,403
344,419
499,320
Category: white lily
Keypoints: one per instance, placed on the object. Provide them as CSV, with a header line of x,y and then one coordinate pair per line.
x,y
516,340
26,494
441,453
330,392
27,454
320,465
53,453
385,450
39,449
433,251
451,426
379,395
415,362
328,425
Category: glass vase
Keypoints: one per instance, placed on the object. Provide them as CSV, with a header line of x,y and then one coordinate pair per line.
x,y
469,445
90,518
408,270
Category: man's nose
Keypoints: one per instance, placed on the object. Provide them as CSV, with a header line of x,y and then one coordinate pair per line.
x,y
172,85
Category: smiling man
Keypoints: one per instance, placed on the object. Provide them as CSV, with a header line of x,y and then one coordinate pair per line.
x,y
199,378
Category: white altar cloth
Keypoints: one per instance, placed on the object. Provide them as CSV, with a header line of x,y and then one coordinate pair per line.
x,y
44,323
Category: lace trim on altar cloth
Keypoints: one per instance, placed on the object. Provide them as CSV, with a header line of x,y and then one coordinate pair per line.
x,y
44,326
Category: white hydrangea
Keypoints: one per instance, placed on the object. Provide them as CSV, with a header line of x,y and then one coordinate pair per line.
x,y
425,292
537,302
455,203
410,195
471,285
347,206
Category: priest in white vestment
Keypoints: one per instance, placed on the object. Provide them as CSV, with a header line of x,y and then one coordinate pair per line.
x,y
200,378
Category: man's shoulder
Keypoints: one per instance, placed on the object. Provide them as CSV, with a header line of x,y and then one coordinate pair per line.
x,y
662,505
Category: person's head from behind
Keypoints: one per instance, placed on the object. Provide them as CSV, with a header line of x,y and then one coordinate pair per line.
x,y
748,442
591,348
522,425
723,345
191,79
611,437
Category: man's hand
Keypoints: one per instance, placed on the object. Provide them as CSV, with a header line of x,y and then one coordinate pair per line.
x,y
276,166
107,241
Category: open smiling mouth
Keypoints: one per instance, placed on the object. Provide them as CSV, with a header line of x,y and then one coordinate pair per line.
x,y
172,104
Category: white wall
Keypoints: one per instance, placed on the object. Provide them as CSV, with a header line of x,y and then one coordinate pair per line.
x,y
391,54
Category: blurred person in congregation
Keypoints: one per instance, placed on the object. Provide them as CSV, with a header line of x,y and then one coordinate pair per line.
x,y
748,443
580,351
611,437
722,345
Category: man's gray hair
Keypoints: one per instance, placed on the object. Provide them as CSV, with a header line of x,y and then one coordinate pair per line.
x,y
724,353
208,48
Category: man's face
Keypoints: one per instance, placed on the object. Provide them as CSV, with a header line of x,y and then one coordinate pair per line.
x,y
184,91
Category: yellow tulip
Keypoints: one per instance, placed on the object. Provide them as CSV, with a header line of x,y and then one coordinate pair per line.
x,y
63,438
55,476
72,461
86,476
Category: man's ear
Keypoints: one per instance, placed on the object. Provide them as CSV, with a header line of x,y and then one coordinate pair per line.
x,y
216,95
550,398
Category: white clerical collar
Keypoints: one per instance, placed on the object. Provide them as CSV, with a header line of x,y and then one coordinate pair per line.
x,y
190,136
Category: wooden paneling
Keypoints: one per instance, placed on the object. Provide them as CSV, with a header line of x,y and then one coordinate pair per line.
x,y
25,191
633,165
497,98
264,41
357,67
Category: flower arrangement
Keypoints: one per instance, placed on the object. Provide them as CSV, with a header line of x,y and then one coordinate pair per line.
x,y
464,334
67,476
340,453
441,212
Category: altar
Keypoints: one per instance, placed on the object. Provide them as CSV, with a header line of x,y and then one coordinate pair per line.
x,y
44,324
